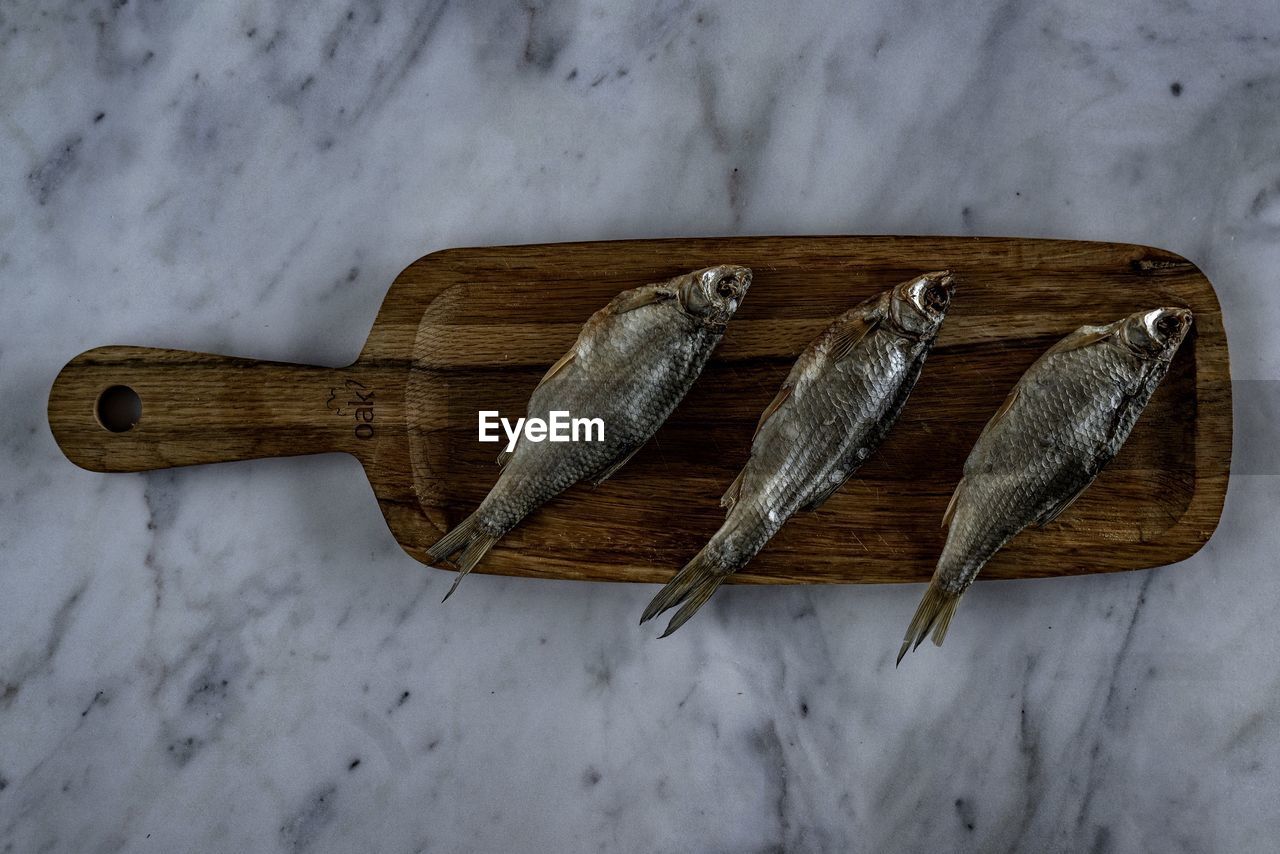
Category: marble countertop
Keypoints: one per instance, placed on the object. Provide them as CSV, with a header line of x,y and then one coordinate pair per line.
x,y
240,658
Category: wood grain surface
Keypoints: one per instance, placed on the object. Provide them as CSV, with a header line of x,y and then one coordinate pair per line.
x,y
469,329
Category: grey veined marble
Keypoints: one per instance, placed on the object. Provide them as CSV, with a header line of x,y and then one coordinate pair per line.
x,y
239,658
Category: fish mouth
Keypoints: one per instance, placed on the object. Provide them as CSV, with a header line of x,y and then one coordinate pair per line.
x,y
733,284
930,293
941,288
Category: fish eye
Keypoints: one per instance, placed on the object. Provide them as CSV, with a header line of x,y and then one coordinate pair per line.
x,y
725,288
1168,326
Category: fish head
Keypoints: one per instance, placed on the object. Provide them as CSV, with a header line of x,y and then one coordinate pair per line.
x,y
1156,333
918,306
714,294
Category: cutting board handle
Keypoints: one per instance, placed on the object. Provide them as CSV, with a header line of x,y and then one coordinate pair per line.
x,y
117,409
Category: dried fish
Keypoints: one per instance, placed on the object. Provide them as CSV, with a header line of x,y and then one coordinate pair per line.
x,y
841,398
634,360
1063,421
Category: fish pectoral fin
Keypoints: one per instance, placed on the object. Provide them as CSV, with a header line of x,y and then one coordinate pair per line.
x,y
1118,418
612,468
1056,511
847,336
561,363
950,512
734,491
819,499
639,298
778,399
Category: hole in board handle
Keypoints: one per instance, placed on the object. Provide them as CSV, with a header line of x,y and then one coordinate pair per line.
x,y
119,409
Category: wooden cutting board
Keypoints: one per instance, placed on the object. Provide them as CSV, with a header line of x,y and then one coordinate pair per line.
x,y
469,329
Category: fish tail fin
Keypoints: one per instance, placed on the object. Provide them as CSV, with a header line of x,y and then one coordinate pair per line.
x,y
937,607
701,593
468,538
692,585
453,541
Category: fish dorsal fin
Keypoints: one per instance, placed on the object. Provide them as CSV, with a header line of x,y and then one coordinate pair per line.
x,y
734,491
950,512
778,399
1002,411
560,365
638,298
503,457
621,304
849,333
1081,338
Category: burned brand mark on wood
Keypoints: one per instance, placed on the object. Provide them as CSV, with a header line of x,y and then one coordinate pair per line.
x,y
353,399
